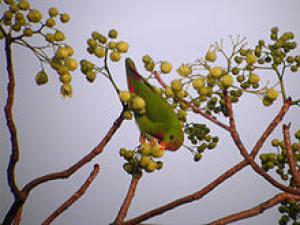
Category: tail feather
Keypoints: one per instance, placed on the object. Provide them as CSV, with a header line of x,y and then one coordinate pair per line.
x,y
132,75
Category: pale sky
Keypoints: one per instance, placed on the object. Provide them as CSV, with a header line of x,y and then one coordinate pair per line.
x,y
54,133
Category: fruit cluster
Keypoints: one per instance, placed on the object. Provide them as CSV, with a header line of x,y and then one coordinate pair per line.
x,y
149,64
134,103
198,135
100,46
142,159
21,22
291,211
280,160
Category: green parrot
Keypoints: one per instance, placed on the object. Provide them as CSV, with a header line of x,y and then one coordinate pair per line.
x,y
159,120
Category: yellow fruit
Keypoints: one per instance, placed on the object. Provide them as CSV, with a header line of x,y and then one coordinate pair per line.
x,y
50,22
92,42
71,64
165,67
227,81
216,72
145,161
91,76
70,50
111,45
211,56
251,58
34,16
59,36
253,78
127,115
146,59
23,5
64,18
176,85
53,12
145,149
115,56
157,152
122,46
184,70
99,52
151,167
138,103
124,96
62,70
65,78
198,83
150,66
28,32
61,53
272,94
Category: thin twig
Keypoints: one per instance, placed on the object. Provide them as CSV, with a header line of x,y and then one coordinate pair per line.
x,y
70,201
290,154
250,159
127,201
255,210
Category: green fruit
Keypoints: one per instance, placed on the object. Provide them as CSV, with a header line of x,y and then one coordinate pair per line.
x,y
238,59
92,43
111,45
59,36
159,165
211,56
157,152
99,52
165,67
267,102
61,53
181,115
64,18
50,22
146,59
253,78
138,103
28,32
113,33
240,78
275,142
127,115
91,76
124,96
41,78
197,156
176,85
129,155
115,56
150,66
184,70
122,151
251,58
227,81
235,70
274,30
34,16
216,72
296,147
128,167
272,94
122,46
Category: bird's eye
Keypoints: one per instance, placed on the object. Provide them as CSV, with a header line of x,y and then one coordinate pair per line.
x,y
172,137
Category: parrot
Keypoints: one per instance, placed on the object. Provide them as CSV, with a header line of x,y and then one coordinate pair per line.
x,y
160,120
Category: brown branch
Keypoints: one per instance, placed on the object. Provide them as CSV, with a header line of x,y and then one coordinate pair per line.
x,y
250,159
278,118
226,175
65,173
290,154
255,210
193,107
70,201
15,152
128,199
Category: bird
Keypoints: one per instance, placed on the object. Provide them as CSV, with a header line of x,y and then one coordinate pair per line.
x,y
159,120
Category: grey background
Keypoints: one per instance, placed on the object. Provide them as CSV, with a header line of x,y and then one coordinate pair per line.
x,y
54,133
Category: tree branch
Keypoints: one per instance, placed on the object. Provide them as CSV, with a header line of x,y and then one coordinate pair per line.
x,y
226,175
250,159
65,173
255,210
80,192
290,154
15,151
127,201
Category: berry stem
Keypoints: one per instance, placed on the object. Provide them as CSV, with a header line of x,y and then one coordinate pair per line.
x,y
110,77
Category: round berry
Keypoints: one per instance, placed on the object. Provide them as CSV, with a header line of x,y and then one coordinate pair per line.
x,y
211,56
253,78
113,33
122,46
71,64
53,12
59,36
176,85
127,115
41,78
184,70
91,76
64,18
150,66
165,67
157,152
138,103
198,83
216,72
23,5
146,58
251,58
115,56
99,52
272,94
34,16
124,96
65,78
227,81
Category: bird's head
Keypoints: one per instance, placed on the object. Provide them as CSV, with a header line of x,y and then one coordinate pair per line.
x,y
173,139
